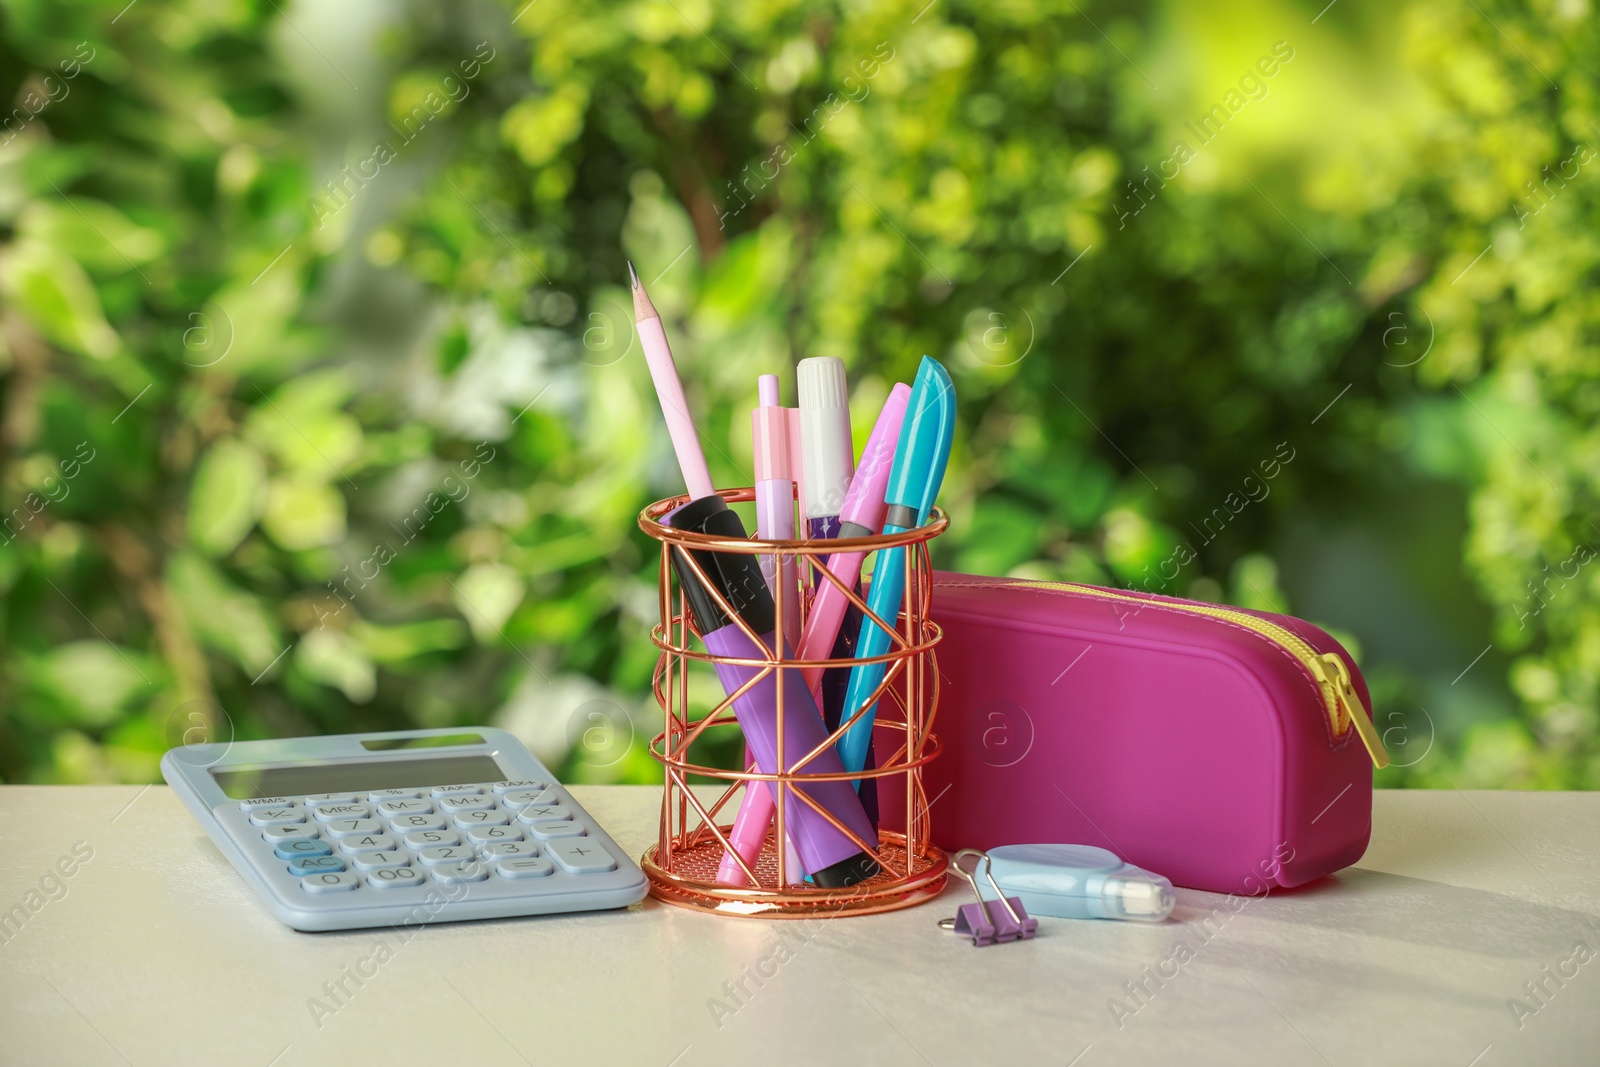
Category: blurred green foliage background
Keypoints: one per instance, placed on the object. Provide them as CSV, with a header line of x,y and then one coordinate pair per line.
x,y
322,411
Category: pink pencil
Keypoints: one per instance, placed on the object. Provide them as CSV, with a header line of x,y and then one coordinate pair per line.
x,y
664,372
861,516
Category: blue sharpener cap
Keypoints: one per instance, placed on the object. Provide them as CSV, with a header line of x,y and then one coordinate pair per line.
x,y
925,436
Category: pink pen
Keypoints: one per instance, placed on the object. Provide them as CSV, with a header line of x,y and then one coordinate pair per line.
x,y
776,467
775,498
861,516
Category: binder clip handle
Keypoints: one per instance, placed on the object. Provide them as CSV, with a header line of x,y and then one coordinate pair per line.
x,y
988,922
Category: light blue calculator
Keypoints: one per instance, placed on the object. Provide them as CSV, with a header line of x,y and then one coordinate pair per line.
x,y
392,829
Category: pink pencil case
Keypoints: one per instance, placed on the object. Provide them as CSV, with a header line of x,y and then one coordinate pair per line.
x,y
1228,750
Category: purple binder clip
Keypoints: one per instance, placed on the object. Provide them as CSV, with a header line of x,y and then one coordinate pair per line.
x,y
1002,919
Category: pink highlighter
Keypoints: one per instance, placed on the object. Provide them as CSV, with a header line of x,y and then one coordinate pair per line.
x,y
861,516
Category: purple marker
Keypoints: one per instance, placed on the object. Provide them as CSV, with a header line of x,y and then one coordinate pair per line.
x,y
832,858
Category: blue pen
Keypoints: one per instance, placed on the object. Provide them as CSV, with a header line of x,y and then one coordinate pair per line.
x,y
914,479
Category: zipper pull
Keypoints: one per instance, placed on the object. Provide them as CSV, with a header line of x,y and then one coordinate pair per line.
x,y
1336,675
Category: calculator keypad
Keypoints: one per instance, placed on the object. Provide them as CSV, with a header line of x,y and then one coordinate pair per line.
x,y
462,839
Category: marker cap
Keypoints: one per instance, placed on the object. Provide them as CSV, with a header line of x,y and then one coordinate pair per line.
x,y
827,453
924,448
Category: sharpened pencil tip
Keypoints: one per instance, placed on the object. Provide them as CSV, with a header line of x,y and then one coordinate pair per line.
x,y
633,275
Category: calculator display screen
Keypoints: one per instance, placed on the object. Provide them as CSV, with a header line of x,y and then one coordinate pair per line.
x,y
245,783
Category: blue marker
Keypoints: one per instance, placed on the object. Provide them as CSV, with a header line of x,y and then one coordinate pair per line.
x,y
914,479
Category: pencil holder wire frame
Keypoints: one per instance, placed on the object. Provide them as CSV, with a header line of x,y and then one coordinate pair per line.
x,y
682,864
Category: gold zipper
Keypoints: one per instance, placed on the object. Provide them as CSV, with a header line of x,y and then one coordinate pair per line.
x,y
1343,706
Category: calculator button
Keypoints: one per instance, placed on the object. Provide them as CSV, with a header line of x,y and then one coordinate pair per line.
x,y
379,795
465,802
580,857
465,871
517,786
377,861
304,865
330,812
406,823
524,867
395,878
454,790
501,850
390,808
275,834
265,802
277,816
468,819
303,846
329,798
544,831
485,835
443,854
431,838
353,827
521,798
328,882
367,843
543,813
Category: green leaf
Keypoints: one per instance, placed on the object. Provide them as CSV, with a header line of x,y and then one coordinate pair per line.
x,y
225,618
336,659
486,595
91,682
303,513
228,496
57,298
92,232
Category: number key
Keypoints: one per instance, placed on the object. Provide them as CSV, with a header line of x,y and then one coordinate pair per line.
x,y
407,823
507,849
485,835
353,827
378,861
395,878
468,819
367,843
328,882
443,854
431,838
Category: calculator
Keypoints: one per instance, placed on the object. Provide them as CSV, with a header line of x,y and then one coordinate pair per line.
x,y
401,828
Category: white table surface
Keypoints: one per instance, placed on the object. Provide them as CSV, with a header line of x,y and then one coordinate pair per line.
x,y
158,953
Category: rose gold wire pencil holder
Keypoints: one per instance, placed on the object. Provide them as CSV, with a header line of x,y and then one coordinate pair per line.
x,y
695,822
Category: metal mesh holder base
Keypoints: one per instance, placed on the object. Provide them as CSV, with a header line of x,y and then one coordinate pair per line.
x,y
682,866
